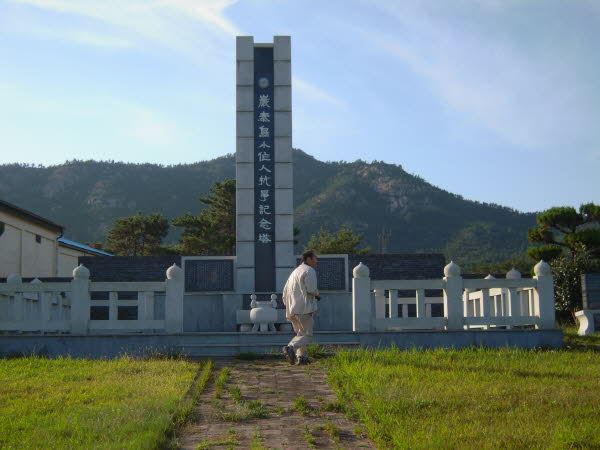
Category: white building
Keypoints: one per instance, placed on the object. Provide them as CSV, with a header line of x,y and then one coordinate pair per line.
x,y
32,246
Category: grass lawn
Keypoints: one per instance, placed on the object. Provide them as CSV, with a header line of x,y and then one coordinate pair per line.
x,y
573,341
78,403
475,397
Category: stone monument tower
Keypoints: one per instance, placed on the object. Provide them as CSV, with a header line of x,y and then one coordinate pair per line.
x,y
264,184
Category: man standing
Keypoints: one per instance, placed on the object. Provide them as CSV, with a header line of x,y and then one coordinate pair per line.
x,y
300,297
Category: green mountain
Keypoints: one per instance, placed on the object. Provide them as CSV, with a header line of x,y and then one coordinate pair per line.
x,y
398,212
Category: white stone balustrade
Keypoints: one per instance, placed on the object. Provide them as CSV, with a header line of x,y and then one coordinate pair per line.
x,y
65,307
468,303
34,307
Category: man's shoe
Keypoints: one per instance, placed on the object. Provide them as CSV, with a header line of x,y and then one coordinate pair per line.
x,y
303,361
290,354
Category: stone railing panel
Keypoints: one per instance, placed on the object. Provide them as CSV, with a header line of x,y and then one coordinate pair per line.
x,y
468,303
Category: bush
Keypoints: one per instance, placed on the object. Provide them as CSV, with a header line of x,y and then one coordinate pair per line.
x,y
567,271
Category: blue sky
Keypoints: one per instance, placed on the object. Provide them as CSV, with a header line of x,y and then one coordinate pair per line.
x,y
496,100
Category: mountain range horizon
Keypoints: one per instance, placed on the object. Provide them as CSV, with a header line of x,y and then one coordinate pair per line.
x,y
398,212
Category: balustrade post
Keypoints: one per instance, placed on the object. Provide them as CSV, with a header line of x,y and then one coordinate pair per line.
x,y
380,303
175,283
393,303
420,300
487,303
362,310
18,306
45,305
80,300
146,305
466,305
453,297
113,306
543,296
514,299
35,310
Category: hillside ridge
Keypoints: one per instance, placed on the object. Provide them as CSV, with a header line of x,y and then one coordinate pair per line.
x,y
397,211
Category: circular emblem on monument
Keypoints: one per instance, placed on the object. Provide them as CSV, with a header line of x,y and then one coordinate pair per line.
x,y
263,82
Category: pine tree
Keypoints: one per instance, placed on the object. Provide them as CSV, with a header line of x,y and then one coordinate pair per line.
x,y
138,235
343,241
212,231
563,229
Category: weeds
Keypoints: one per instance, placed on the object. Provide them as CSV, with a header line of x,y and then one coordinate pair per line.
x,y
257,441
221,381
231,442
316,351
360,431
336,406
187,405
302,406
309,438
268,391
245,411
236,394
333,432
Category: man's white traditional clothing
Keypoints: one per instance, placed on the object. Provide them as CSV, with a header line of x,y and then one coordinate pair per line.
x,y
300,303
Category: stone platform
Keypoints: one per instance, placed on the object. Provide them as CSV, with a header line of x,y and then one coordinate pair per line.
x,y
230,344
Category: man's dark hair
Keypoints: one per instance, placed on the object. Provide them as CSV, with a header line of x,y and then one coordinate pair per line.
x,y
308,254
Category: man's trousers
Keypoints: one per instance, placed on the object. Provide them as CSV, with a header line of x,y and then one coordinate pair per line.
x,y
303,326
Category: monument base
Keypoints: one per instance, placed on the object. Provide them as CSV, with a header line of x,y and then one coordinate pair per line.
x,y
204,345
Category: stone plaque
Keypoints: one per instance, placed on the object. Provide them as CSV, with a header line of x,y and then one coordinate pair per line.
x,y
208,275
590,290
331,273
264,170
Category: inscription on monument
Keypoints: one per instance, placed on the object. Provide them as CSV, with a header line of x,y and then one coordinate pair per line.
x,y
331,273
590,290
264,170
208,275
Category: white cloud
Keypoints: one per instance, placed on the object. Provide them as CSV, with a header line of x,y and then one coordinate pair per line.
x,y
208,11
81,37
87,38
496,81
149,127
312,93
187,26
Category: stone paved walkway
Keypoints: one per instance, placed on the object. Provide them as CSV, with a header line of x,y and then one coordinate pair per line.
x,y
270,404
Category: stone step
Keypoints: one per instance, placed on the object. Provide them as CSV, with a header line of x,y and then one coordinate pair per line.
x,y
263,348
259,338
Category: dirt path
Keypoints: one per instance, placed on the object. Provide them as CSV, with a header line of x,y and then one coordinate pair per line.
x,y
269,404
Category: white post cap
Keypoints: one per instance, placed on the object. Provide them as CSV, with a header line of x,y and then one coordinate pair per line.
x,y
361,271
81,272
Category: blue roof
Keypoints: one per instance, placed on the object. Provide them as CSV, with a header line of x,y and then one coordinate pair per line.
x,y
87,248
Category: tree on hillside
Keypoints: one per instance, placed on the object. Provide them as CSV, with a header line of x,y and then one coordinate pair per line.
x,y
212,231
343,241
563,229
137,235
